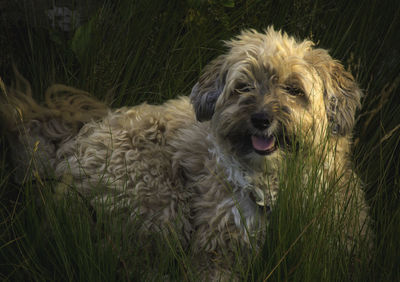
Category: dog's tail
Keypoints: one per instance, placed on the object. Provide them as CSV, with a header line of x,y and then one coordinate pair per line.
x,y
38,130
69,105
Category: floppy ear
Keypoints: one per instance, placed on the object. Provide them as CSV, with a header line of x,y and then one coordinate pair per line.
x,y
206,91
341,94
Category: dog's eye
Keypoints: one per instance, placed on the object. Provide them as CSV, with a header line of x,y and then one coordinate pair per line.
x,y
242,88
294,91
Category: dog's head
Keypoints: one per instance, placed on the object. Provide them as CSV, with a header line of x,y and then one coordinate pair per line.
x,y
268,88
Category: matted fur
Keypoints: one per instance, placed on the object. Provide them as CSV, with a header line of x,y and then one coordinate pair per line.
x,y
205,167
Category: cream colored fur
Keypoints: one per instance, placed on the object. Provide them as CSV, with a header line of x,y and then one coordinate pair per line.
x,y
189,166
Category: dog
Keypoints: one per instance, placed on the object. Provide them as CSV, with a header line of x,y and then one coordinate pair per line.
x,y
205,167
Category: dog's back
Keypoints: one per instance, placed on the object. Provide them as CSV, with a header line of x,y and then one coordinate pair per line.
x,y
120,157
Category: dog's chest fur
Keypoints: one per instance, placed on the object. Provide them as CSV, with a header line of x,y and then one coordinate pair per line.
x,y
222,204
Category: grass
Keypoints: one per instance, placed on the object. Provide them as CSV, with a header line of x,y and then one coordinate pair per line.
x,y
154,50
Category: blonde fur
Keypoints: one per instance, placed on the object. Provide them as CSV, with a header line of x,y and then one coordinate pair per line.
x,y
203,167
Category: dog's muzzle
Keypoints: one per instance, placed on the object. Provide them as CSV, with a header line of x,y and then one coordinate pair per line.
x,y
263,144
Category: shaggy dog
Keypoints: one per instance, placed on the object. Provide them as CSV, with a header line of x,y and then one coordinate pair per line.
x,y
205,167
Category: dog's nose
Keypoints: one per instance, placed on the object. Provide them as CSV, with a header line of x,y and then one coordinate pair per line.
x,y
261,120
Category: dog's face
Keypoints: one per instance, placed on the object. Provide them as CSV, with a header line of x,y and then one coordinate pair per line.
x,y
268,89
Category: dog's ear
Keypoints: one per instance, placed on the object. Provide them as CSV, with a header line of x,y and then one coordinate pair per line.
x,y
206,91
341,93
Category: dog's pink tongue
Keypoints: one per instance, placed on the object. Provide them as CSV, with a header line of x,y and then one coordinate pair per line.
x,y
263,143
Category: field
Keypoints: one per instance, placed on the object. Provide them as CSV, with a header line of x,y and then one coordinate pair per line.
x,y
127,52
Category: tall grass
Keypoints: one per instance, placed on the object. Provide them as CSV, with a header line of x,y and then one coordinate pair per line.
x,y
132,51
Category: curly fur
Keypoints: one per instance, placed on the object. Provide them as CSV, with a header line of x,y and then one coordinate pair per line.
x,y
202,166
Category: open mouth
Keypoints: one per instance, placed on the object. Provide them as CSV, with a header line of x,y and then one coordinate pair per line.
x,y
263,145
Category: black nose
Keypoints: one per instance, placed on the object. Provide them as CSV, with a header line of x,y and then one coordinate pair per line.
x,y
261,120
